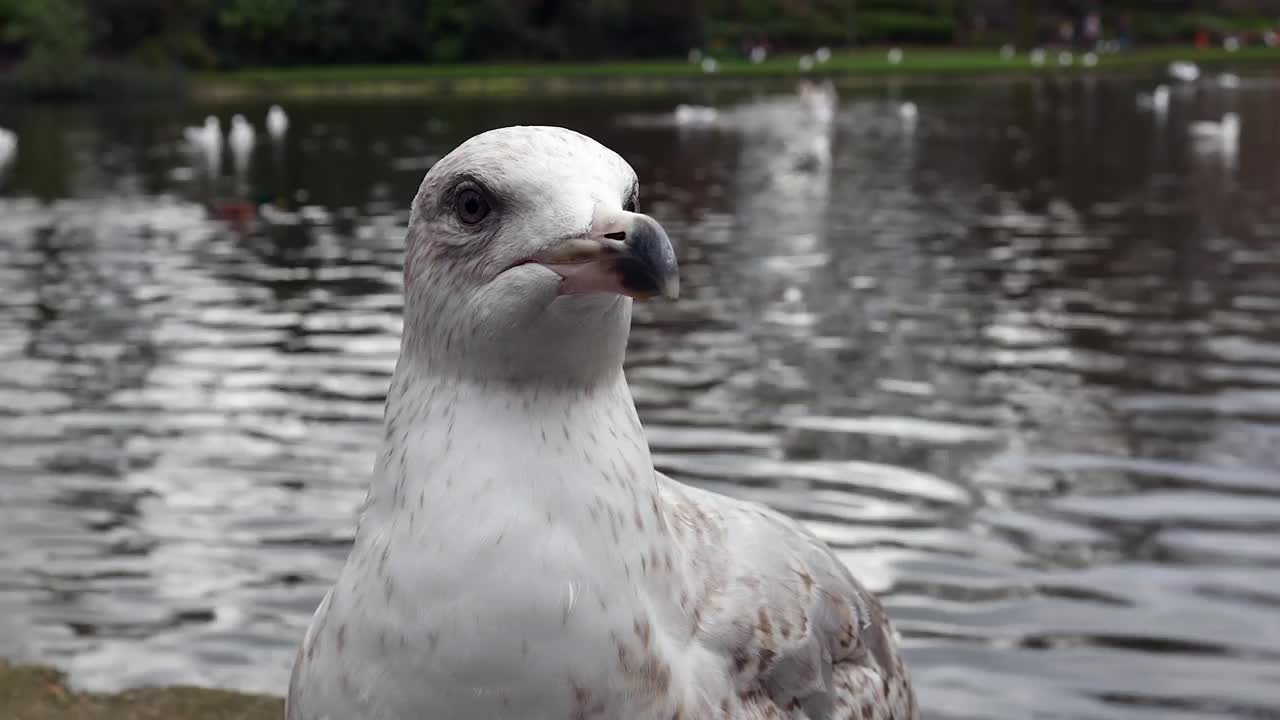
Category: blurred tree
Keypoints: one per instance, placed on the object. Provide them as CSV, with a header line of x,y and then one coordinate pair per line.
x,y
258,20
318,32
55,34
1028,22
52,40
471,30
154,32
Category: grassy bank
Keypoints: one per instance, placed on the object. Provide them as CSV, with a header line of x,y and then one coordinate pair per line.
x,y
646,76
35,693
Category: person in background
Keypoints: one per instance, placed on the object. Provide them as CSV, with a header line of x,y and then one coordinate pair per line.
x,y
1124,36
1092,30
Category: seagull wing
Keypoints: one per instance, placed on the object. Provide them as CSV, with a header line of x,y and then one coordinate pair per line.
x,y
798,633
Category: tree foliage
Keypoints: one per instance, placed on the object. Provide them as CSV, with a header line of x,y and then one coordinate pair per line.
x,y
54,41
56,36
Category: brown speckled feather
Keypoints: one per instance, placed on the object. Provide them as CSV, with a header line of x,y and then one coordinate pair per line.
x,y
806,640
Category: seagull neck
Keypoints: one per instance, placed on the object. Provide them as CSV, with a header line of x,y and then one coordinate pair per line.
x,y
467,447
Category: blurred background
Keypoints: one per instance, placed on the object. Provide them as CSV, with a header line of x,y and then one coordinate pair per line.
x,y
987,292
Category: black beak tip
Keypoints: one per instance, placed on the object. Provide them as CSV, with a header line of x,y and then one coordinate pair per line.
x,y
651,268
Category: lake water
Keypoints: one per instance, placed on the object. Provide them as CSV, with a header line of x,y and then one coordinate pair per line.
x,y
1020,364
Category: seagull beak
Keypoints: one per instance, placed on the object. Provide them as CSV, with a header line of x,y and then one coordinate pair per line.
x,y
624,252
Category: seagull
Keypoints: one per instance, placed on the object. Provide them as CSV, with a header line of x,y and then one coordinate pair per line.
x,y
240,139
1157,101
277,122
517,555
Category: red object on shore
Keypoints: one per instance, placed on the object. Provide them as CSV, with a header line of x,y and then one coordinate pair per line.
x,y
1202,39
239,213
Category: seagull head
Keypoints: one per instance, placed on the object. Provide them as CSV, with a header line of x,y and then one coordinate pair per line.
x,y
525,250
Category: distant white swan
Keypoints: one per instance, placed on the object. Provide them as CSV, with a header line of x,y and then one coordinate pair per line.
x,y
709,65
202,136
822,54
1036,56
805,63
1228,126
277,122
1225,133
894,56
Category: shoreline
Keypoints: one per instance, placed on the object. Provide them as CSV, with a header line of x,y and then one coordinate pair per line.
x,y
33,692
858,67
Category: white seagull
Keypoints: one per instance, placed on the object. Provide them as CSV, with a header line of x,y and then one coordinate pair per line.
x,y
517,555
8,146
277,122
1157,101
240,139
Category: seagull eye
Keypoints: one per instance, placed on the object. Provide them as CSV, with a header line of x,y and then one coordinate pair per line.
x,y
471,206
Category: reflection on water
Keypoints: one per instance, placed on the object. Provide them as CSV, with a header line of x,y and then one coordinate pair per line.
x,y
1019,361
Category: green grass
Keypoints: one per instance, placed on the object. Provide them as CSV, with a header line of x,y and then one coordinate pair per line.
x,y
34,693
517,77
